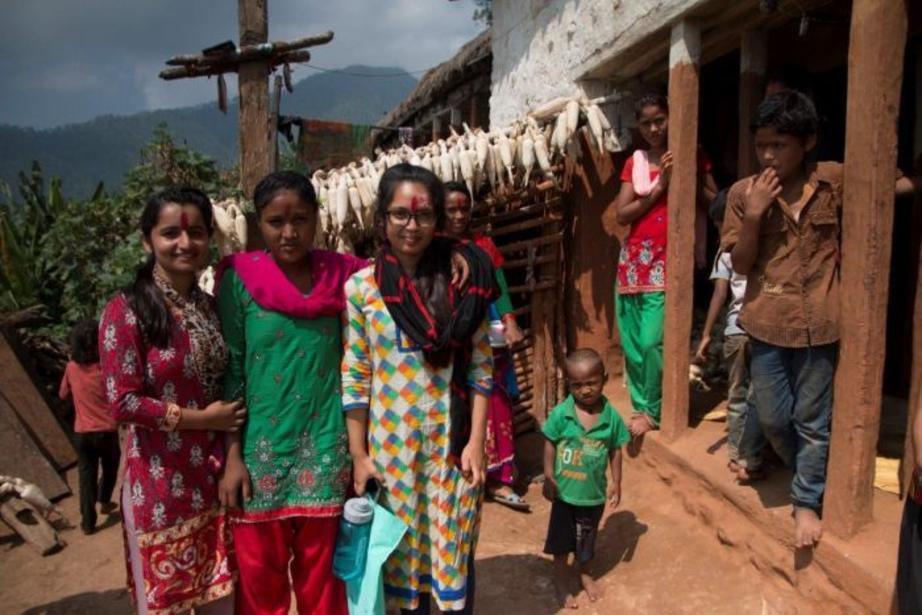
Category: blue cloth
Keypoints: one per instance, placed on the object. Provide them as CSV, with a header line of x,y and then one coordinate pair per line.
x,y
425,603
744,436
792,390
365,595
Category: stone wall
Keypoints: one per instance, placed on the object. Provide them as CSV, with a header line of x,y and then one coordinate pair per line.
x,y
542,49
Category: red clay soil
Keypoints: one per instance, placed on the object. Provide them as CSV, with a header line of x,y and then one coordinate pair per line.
x,y
651,557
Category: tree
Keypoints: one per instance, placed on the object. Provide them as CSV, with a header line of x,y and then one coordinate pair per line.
x,y
71,256
484,11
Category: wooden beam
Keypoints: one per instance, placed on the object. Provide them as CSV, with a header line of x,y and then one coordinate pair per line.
x,y
875,74
684,55
21,457
753,52
253,89
245,53
220,67
30,525
36,416
454,117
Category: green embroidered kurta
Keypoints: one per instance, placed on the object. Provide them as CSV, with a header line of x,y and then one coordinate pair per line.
x,y
294,443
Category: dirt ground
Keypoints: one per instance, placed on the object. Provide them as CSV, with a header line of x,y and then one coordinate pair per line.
x,y
650,558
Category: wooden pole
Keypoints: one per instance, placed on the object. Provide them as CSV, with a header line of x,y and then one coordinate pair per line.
x,y
274,123
253,80
753,51
684,55
875,74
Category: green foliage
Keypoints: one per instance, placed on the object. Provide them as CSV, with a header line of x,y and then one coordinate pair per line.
x,y
73,255
22,229
289,160
484,11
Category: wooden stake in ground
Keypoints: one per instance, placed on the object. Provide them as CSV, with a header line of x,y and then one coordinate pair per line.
x,y
253,61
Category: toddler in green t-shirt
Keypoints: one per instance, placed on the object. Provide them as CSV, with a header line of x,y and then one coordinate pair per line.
x,y
584,435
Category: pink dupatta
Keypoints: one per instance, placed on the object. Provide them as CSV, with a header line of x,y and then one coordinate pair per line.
x,y
272,290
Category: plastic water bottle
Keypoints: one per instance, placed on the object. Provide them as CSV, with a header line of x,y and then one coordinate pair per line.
x,y
497,334
352,542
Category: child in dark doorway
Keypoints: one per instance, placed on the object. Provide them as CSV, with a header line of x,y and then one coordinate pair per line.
x,y
782,230
500,443
641,285
584,435
95,434
744,438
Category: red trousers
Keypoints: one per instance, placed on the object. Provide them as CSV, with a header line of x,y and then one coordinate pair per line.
x,y
265,552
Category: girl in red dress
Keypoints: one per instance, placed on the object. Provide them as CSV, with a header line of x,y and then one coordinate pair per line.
x,y
162,358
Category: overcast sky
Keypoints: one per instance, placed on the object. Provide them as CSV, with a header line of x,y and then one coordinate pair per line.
x,y
65,61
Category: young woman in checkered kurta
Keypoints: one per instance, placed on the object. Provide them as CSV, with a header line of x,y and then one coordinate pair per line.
x,y
398,405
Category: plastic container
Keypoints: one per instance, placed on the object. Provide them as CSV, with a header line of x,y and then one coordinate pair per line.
x,y
352,542
497,334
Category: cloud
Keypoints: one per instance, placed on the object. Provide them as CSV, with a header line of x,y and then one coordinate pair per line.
x,y
104,55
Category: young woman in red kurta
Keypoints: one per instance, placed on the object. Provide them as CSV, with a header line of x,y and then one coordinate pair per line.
x,y
162,358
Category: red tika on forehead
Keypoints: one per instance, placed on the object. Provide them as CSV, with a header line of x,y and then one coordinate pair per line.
x,y
183,221
416,202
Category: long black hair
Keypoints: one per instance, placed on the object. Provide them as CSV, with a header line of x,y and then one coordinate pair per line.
x,y
433,274
144,298
84,342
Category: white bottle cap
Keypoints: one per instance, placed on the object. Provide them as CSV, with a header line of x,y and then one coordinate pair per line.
x,y
358,511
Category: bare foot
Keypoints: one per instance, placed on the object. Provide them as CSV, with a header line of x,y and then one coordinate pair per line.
x,y
807,527
592,589
562,578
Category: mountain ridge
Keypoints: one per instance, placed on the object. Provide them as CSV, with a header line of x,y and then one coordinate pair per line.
x,y
102,149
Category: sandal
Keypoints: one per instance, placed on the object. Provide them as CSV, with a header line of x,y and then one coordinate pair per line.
x,y
512,500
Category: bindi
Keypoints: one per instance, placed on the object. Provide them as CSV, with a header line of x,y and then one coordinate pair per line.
x,y
184,221
417,202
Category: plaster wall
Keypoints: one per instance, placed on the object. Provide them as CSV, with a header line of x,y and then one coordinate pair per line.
x,y
542,49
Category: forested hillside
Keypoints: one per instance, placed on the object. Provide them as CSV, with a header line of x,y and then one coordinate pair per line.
x,y
82,155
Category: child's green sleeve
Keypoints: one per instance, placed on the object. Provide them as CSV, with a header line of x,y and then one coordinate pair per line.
x,y
551,429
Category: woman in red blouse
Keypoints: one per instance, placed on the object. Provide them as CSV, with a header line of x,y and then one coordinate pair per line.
x,y
162,358
640,289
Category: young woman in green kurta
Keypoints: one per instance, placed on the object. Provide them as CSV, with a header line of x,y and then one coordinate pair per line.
x,y
280,315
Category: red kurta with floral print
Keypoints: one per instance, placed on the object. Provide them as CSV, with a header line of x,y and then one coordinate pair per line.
x,y
170,476
642,262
